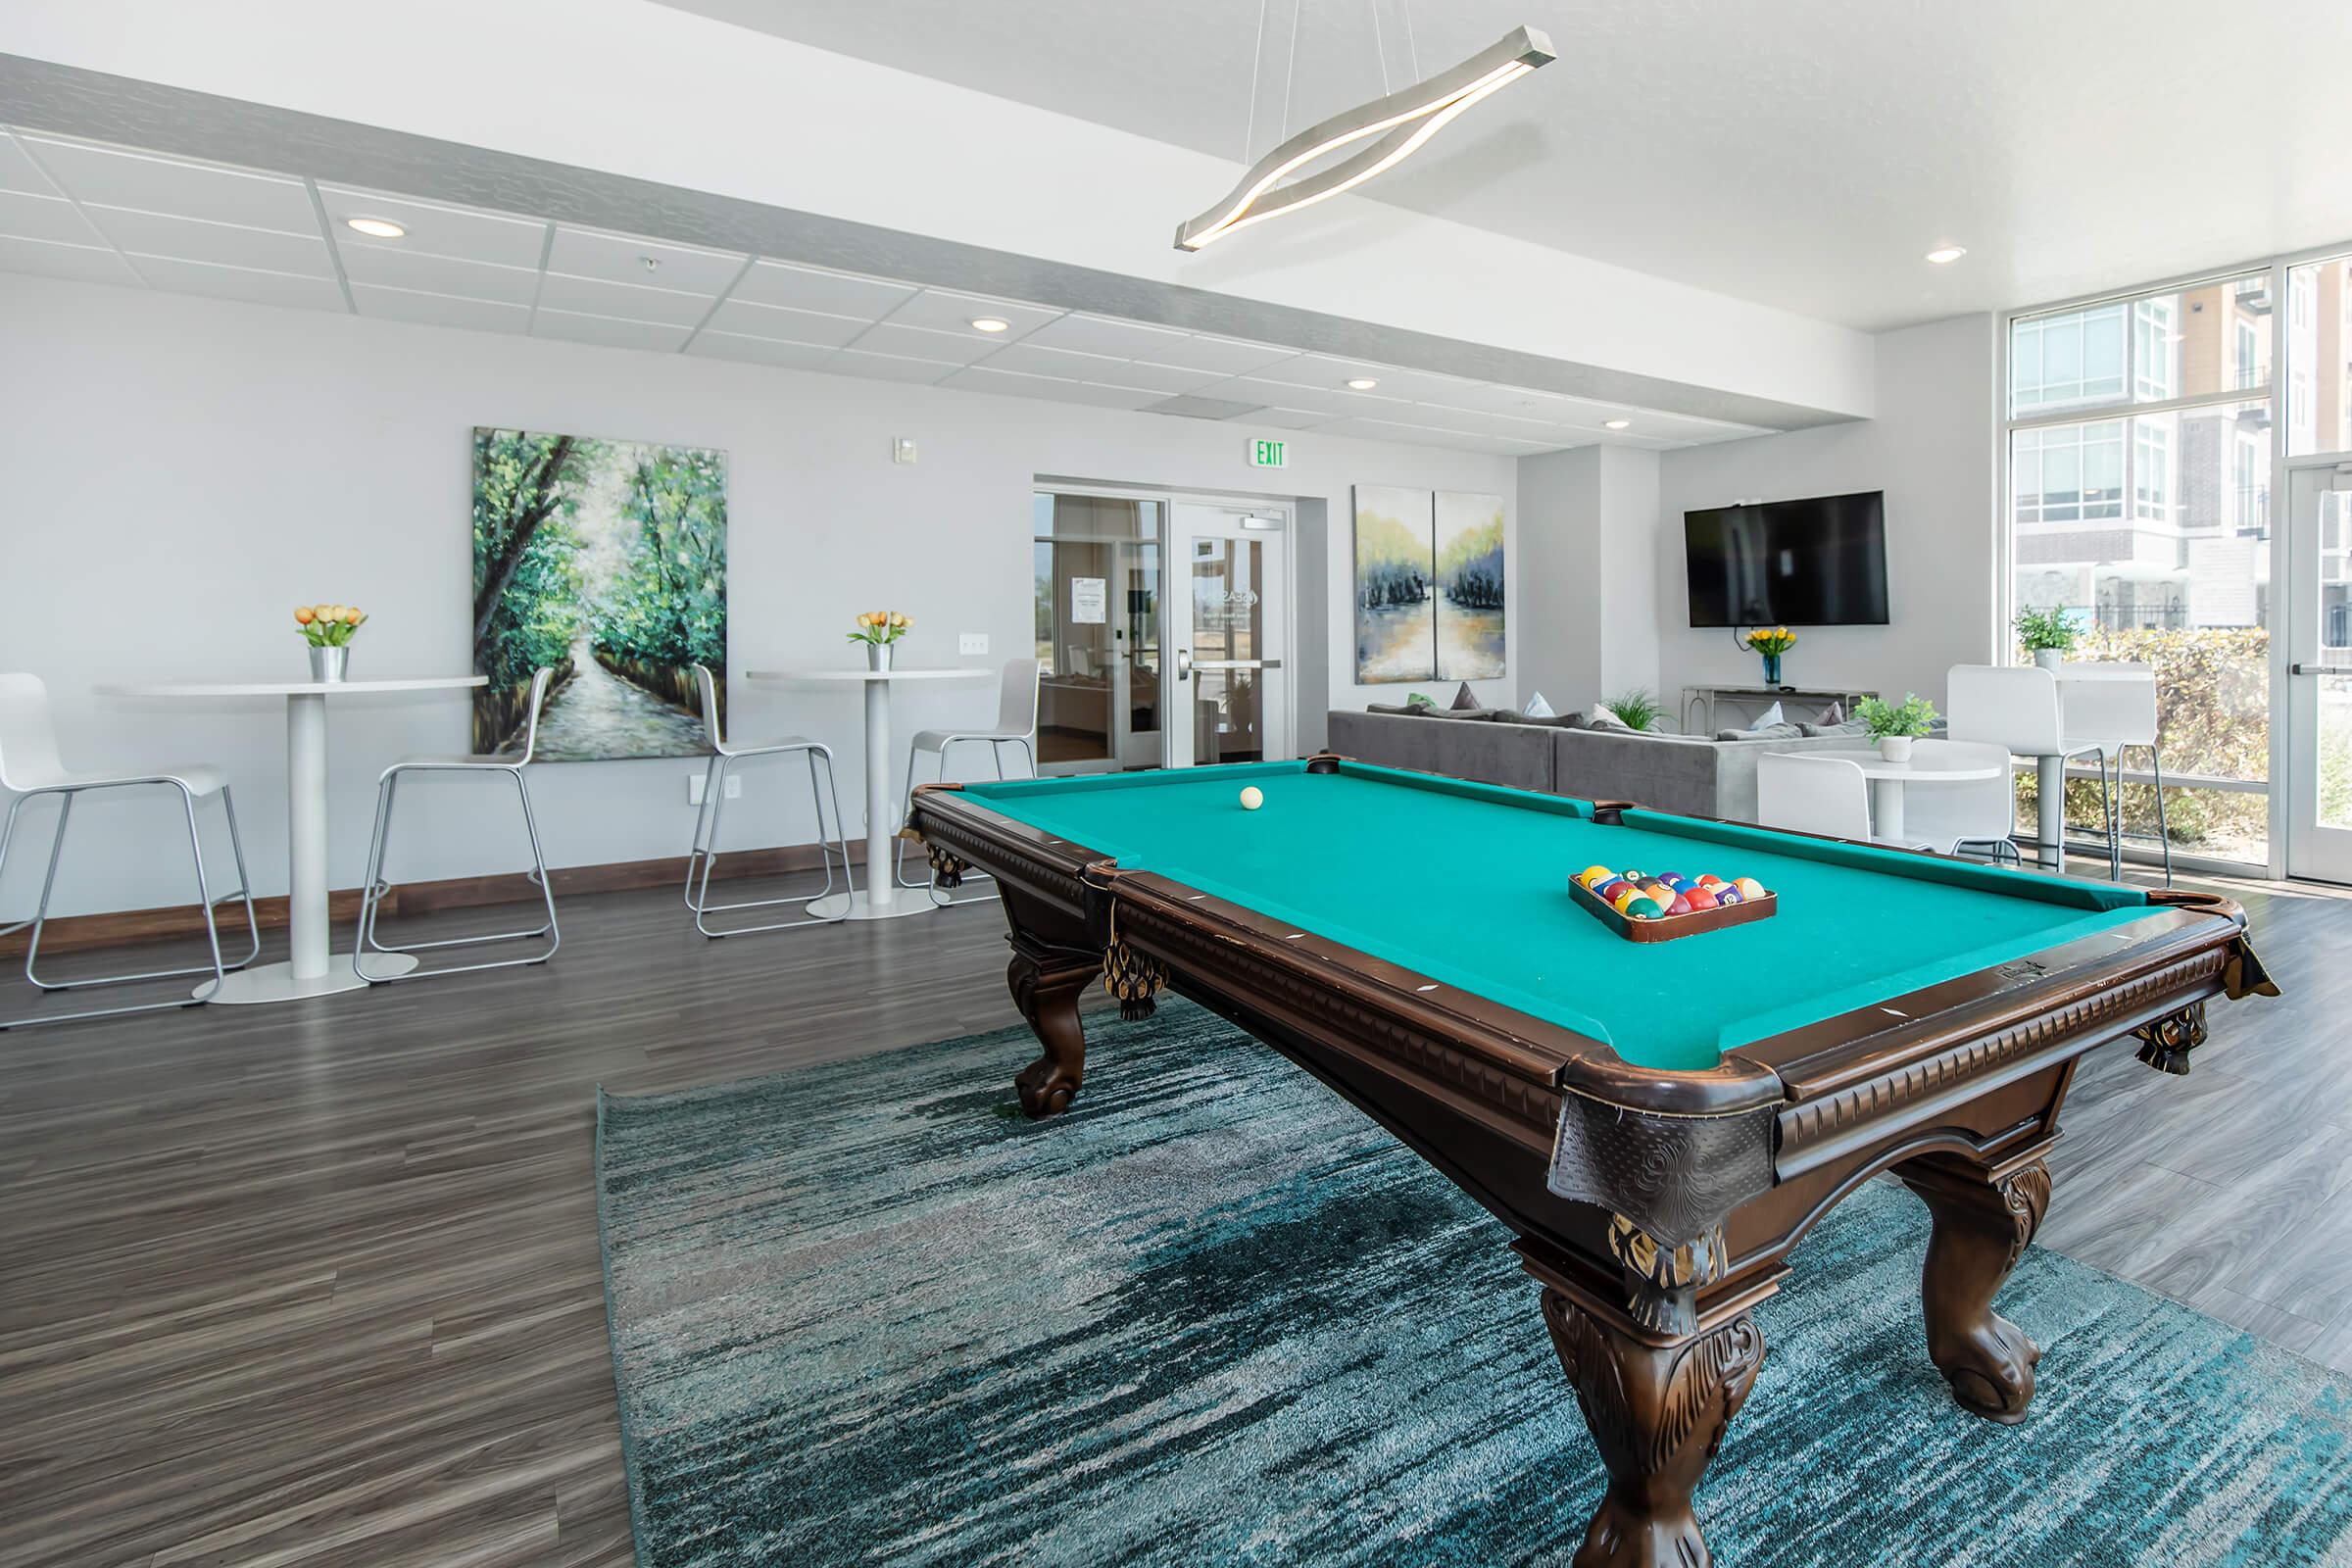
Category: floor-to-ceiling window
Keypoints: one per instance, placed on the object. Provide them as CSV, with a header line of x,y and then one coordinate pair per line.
x,y
2139,471
2146,436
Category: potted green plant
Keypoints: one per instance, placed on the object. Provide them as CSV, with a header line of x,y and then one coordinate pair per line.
x,y
2047,634
1895,725
1635,709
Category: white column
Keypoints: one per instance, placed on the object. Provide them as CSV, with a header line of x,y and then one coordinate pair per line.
x,y
881,886
306,833
1886,804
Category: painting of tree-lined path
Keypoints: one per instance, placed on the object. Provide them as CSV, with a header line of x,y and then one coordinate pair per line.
x,y
1470,596
607,560
1396,567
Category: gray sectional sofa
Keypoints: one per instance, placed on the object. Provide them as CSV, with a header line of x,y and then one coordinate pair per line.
x,y
1684,773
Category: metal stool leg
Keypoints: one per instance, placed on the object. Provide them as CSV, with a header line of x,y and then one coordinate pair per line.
x,y
244,890
699,900
2163,830
701,822
373,894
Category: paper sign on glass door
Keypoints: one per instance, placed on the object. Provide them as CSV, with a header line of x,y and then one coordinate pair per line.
x,y
1087,600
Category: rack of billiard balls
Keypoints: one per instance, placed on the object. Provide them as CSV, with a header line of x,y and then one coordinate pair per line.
x,y
1645,906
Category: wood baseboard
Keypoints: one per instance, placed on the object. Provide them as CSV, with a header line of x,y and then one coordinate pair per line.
x,y
78,933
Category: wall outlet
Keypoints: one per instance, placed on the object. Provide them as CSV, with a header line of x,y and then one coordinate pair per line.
x,y
971,642
694,787
734,786
902,449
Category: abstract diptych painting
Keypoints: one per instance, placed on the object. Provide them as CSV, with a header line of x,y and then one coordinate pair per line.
x,y
1429,585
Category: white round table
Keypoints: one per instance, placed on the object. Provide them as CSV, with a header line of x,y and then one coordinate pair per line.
x,y
880,899
1887,780
315,970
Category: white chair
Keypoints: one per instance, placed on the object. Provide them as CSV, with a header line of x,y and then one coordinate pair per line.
x,y
373,887
724,754
2106,709
2016,706
1963,813
1016,725
30,767
1811,794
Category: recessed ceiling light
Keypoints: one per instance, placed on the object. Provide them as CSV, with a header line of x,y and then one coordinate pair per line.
x,y
1945,255
990,323
1362,383
376,227
1616,424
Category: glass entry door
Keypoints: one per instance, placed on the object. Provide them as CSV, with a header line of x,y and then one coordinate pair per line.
x,y
1229,671
2319,804
1096,567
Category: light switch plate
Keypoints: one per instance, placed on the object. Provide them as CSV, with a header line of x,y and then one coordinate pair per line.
x,y
971,642
902,449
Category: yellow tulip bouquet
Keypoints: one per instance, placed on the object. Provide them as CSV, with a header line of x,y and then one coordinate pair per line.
x,y
1771,642
881,627
329,625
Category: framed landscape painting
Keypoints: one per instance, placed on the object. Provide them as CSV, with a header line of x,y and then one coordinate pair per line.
x,y
1469,599
1396,567
606,561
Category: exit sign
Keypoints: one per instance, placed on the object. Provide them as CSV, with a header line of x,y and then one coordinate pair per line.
x,y
1264,453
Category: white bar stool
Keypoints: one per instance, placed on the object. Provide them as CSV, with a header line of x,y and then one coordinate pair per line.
x,y
1964,813
373,888
2017,706
1016,725
724,755
30,767
2109,707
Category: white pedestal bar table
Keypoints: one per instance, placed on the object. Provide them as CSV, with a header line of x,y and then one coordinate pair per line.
x,y
315,970
879,901
1888,781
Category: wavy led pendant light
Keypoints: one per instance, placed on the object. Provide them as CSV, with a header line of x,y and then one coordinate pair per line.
x,y
1397,125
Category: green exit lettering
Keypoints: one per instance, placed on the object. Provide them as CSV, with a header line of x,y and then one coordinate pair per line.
x,y
1265,453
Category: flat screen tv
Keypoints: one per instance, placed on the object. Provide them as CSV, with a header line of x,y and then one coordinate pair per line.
x,y
1817,563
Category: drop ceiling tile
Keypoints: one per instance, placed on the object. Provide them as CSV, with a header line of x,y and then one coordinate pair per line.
x,y
24,216
921,343
241,283
890,366
86,263
113,177
621,258
1053,389
775,322
1423,435
626,302
391,268
811,288
1277,394
940,310
611,331
1030,360
1321,370
440,309
1526,403
1163,377
18,172
712,345
1289,419
1158,345
1502,424
434,228
193,239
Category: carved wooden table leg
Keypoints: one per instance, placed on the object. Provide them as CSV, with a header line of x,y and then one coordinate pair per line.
x,y
1045,984
1983,1219
1657,1414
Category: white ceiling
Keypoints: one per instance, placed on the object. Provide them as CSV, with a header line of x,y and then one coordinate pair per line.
x,y
111,214
1802,153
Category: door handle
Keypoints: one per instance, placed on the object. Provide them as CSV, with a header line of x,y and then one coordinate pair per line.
x,y
1184,663
1235,663
2320,669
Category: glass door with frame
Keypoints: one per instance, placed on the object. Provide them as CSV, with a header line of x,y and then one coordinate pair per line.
x,y
1229,693
2319,799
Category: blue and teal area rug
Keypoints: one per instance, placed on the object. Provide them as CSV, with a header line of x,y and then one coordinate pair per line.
x,y
865,1314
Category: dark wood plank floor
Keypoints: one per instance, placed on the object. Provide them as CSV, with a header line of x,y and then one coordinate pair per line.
x,y
320,1284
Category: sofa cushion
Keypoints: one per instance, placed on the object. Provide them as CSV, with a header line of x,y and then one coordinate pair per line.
x,y
1551,720
1518,756
1763,732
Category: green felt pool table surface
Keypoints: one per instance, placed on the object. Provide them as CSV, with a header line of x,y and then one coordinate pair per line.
x,y
1468,884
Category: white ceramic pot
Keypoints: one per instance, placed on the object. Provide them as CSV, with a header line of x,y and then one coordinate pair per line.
x,y
2050,657
1895,748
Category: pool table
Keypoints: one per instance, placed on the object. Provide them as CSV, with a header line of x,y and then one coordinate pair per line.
x,y
1658,1123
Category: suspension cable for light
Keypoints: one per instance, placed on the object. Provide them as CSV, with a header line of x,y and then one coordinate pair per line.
x,y
1402,120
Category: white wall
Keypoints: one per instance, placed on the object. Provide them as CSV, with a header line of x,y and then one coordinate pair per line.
x,y
182,472
1588,562
1930,449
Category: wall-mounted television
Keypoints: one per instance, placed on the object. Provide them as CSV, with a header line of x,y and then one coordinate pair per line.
x,y
1817,563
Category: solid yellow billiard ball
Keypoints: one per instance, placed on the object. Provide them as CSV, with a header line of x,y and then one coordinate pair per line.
x,y
1252,797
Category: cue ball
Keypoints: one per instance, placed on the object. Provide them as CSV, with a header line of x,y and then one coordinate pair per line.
x,y
1252,797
